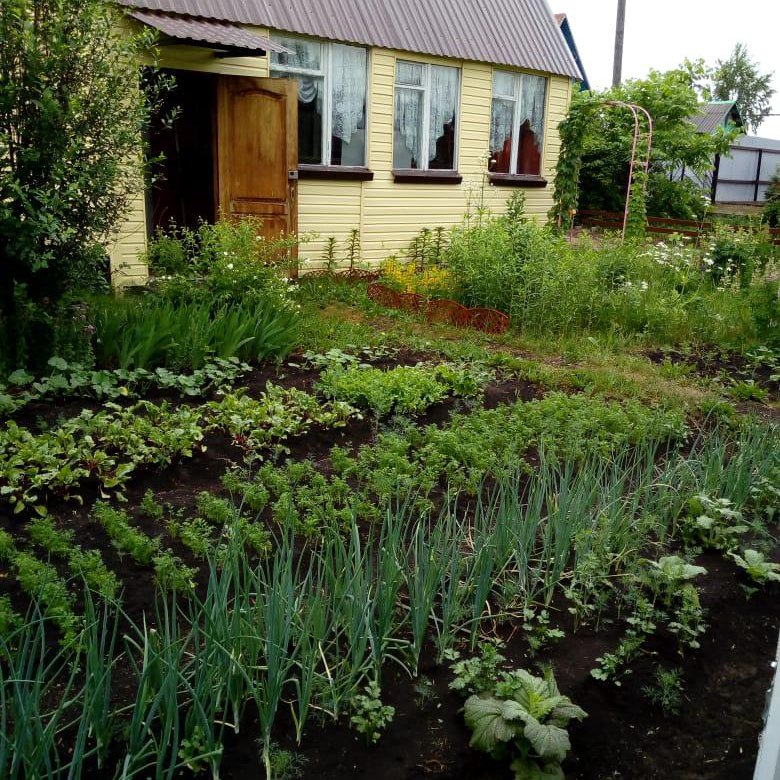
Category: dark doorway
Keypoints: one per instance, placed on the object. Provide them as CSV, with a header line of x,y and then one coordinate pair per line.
x,y
183,189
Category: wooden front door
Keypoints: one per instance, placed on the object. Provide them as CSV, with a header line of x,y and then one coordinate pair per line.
x,y
257,151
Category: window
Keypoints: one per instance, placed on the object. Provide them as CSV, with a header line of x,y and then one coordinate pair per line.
x,y
426,107
517,123
331,99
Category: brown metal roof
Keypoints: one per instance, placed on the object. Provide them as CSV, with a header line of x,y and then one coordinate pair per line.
x,y
715,114
519,33
219,33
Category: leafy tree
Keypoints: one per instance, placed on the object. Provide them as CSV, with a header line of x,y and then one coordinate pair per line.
x,y
738,78
71,119
671,100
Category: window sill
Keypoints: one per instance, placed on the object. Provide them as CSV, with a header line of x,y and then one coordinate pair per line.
x,y
344,173
413,176
517,180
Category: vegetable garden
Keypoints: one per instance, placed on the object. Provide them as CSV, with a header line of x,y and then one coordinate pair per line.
x,y
233,542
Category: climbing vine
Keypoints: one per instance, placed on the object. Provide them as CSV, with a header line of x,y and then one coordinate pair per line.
x,y
636,226
573,132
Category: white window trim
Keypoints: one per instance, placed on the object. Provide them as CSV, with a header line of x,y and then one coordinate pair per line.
x,y
325,73
517,99
425,88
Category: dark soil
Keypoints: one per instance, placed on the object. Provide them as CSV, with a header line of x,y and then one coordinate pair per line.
x,y
718,364
624,736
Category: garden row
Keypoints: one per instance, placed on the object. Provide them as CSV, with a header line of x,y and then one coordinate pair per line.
x,y
443,534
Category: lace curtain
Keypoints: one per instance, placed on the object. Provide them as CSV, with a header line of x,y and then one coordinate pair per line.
x,y
443,101
532,105
408,117
309,90
530,91
501,120
348,79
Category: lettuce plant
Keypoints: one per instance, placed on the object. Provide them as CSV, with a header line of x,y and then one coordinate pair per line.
x,y
517,716
757,567
713,523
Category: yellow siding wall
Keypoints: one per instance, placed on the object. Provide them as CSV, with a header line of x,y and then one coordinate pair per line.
x,y
387,214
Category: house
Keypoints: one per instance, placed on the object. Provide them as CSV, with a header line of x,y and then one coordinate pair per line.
x,y
327,116
563,23
717,114
741,176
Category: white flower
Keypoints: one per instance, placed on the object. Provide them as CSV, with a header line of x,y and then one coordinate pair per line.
x,y
230,266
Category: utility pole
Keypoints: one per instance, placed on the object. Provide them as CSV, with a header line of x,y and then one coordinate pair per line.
x,y
620,26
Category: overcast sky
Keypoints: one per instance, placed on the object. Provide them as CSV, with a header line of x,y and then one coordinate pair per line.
x,y
661,33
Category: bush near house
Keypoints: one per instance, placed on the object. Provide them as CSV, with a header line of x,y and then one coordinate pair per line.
x,y
723,290
71,116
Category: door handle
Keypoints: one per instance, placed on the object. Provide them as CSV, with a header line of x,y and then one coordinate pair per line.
x,y
292,175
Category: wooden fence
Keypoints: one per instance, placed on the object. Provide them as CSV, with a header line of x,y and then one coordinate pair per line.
x,y
613,220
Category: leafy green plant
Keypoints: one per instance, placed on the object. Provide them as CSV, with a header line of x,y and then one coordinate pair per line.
x,y
286,764
713,523
404,389
666,690
9,618
125,537
660,594
73,379
151,507
107,445
371,717
757,567
748,390
171,574
539,633
478,673
279,414
41,581
522,719
150,332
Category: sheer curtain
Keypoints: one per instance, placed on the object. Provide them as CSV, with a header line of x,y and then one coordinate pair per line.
x,y
408,118
501,120
443,101
309,90
348,80
532,105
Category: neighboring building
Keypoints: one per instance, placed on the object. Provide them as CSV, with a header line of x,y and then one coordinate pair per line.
x,y
742,175
563,23
324,116
717,114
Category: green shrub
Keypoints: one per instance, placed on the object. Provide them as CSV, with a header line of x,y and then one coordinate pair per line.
x,y
151,331
669,292
223,263
675,199
771,213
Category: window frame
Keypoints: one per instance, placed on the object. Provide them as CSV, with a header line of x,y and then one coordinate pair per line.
x,y
517,80
326,74
445,174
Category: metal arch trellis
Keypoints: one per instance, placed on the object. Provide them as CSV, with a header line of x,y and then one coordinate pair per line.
x,y
635,111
